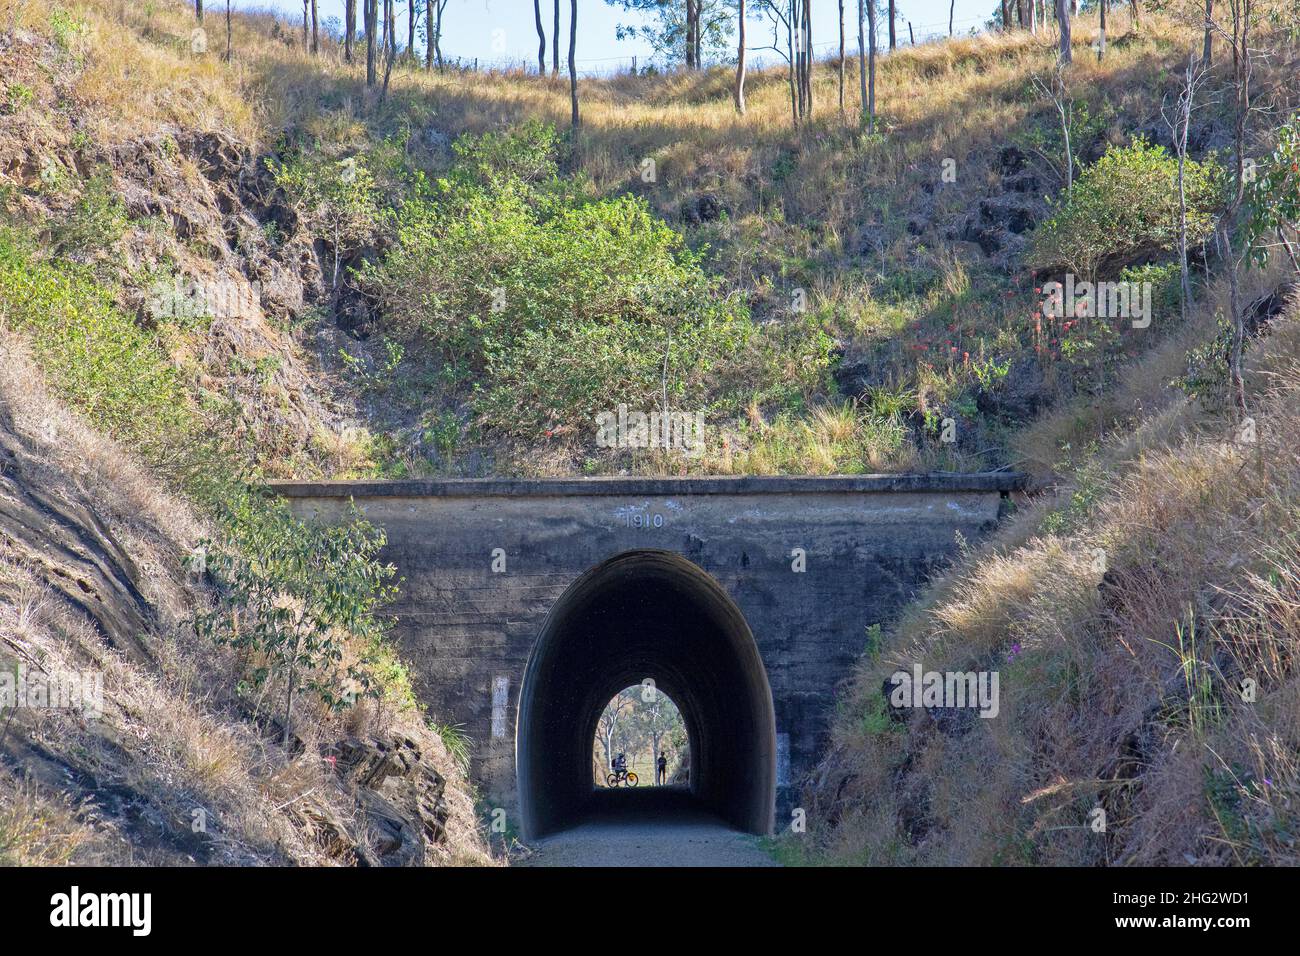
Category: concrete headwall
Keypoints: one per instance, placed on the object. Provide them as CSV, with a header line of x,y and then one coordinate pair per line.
x,y
467,629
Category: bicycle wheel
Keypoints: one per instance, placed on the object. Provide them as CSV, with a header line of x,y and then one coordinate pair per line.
x,y
631,778
611,779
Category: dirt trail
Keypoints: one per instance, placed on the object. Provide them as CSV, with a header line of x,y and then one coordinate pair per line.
x,y
648,828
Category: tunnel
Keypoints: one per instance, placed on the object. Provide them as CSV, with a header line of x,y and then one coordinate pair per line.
x,y
637,616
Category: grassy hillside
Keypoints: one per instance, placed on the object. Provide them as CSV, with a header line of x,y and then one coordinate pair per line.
x,y
1123,612
866,288
216,271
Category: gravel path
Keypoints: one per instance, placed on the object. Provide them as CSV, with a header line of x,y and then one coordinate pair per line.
x,y
657,826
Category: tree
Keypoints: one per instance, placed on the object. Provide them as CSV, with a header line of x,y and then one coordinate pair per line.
x,y
680,31
1238,37
1059,95
1006,15
692,34
292,593
871,62
892,13
413,10
229,32
1275,198
306,19
1207,51
868,109
555,41
1101,35
390,53
315,29
780,15
740,58
573,63
198,10
1063,18
841,4
541,38
371,18
952,6
349,27
434,10
1179,120
608,725
803,56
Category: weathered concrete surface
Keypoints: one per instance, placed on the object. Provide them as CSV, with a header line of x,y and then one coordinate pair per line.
x,y
468,631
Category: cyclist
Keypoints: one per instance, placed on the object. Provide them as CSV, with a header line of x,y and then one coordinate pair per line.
x,y
620,764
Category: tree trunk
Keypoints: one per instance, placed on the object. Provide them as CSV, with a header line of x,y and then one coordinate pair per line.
x,y
555,42
541,37
793,58
198,10
952,6
1207,49
842,56
229,32
868,118
808,58
1006,15
573,63
871,62
690,34
1101,36
437,34
1137,12
740,57
412,17
315,29
428,35
893,12
370,17
306,14
1066,56
349,27
390,10
391,53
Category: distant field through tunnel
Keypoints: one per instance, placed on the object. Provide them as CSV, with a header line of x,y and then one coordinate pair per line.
x,y
646,615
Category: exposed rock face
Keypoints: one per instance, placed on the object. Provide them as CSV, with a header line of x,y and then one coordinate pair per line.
x,y
705,207
400,795
72,549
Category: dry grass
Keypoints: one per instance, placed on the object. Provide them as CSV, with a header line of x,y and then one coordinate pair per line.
x,y
171,735
1121,642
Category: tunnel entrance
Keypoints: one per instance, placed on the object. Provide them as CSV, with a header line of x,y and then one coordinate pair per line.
x,y
646,616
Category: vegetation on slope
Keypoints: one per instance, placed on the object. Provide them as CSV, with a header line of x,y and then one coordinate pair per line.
x,y
444,284
1126,614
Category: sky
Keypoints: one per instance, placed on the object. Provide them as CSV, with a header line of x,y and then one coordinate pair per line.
x,y
502,32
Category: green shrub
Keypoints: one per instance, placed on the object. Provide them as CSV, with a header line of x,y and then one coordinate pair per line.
x,y
94,355
97,221
1124,208
558,308
1273,199
293,593
338,198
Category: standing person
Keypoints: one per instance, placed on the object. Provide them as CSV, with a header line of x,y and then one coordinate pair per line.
x,y
661,769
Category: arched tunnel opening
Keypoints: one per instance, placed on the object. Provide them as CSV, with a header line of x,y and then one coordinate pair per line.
x,y
646,616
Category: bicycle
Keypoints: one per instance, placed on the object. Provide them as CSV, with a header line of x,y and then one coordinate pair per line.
x,y
627,777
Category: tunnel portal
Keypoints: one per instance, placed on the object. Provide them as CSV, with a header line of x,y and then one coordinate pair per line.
x,y
646,615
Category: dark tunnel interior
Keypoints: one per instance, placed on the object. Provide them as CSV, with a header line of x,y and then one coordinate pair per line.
x,y
646,614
